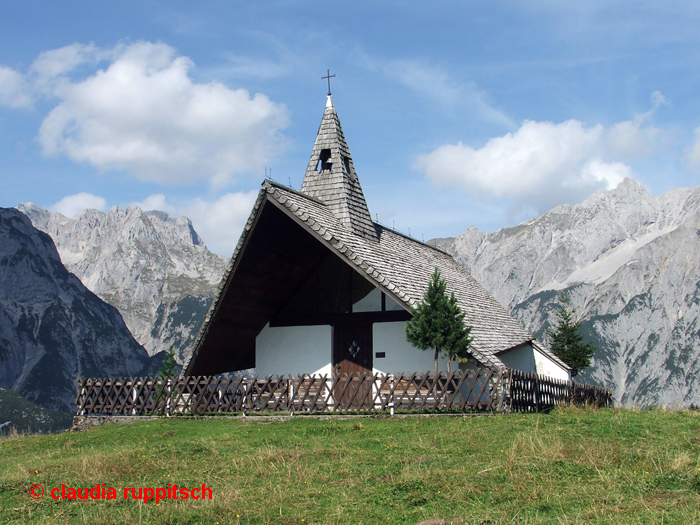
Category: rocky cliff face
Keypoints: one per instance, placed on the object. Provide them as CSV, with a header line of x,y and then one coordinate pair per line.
x,y
152,267
54,330
630,262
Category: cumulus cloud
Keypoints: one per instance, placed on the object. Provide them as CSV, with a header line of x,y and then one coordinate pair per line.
x,y
50,69
144,114
635,138
15,91
628,139
74,204
219,222
545,163
535,165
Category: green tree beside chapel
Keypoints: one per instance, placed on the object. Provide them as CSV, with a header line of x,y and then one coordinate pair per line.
x,y
566,340
438,324
168,367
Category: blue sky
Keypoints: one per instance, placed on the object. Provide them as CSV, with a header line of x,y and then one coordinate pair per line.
x,y
457,113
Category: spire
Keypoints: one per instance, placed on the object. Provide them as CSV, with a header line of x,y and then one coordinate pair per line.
x,y
331,178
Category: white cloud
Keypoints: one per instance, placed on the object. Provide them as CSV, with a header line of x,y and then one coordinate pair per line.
x,y
258,67
434,83
218,222
607,174
51,67
156,202
632,139
693,151
15,91
74,204
47,74
543,163
540,165
144,114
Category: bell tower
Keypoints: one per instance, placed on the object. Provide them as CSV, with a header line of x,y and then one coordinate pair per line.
x,y
331,178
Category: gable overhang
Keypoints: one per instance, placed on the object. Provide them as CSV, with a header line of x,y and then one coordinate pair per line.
x,y
344,254
514,348
277,254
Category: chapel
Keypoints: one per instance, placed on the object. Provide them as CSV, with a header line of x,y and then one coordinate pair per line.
x,y
315,286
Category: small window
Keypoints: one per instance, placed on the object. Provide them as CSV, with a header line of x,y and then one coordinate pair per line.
x,y
346,164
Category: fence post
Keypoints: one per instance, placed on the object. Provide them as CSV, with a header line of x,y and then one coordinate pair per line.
x,y
83,400
168,389
291,395
502,390
133,398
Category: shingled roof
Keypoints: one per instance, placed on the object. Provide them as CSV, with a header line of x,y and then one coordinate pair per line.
x,y
331,215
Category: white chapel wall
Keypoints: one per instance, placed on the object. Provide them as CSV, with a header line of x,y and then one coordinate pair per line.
x,y
547,367
307,350
401,356
526,358
520,358
293,350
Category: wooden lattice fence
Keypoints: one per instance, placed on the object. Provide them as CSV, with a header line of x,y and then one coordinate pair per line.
x,y
470,390
532,393
458,390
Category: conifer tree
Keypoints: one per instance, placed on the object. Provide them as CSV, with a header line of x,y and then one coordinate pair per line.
x,y
566,341
168,367
438,323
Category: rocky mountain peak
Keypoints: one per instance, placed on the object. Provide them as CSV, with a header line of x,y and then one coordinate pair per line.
x,y
628,186
52,328
152,267
630,262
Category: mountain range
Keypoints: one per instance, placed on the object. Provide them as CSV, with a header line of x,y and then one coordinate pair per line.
x,y
54,330
630,263
152,267
628,260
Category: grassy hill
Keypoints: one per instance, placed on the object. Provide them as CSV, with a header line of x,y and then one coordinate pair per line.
x,y
20,415
572,466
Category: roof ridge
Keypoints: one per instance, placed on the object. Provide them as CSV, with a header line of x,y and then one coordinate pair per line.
x,y
289,188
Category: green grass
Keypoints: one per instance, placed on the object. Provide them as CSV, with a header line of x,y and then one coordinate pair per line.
x,y
571,466
19,415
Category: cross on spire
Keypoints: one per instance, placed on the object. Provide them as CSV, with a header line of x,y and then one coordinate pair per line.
x,y
329,76
331,177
